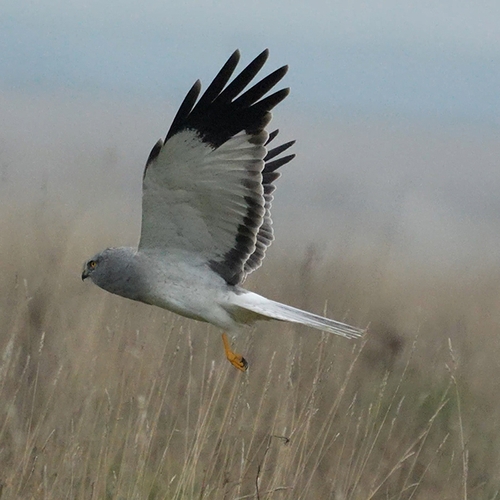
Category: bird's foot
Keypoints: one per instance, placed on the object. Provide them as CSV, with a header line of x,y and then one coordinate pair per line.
x,y
237,360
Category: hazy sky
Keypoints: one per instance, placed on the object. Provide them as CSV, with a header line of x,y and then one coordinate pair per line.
x,y
394,104
431,58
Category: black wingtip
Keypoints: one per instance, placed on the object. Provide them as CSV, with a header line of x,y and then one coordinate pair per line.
x,y
225,108
185,109
272,135
272,166
154,153
272,153
264,54
284,69
234,58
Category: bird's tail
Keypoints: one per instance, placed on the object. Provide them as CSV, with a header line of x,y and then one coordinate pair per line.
x,y
281,312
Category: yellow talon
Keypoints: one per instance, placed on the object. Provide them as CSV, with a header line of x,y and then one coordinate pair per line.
x,y
237,360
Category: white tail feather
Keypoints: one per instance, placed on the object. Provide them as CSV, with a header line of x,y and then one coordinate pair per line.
x,y
282,312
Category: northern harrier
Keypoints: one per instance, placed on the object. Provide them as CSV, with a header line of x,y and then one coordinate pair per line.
x,y
206,221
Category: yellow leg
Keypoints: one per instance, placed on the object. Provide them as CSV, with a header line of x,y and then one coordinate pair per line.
x,y
237,360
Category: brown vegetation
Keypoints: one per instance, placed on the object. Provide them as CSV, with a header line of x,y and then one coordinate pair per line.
x,y
105,398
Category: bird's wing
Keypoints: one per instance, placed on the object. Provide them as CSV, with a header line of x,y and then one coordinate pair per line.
x,y
208,188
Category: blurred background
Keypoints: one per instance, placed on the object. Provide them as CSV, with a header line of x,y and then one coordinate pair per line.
x,y
394,107
389,216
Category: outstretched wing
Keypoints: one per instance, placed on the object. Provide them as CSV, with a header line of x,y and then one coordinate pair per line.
x,y
208,189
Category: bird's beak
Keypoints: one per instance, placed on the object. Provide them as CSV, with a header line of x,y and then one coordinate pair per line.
x,y
85,274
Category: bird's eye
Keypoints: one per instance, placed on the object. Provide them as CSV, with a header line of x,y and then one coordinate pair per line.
x,y
92,264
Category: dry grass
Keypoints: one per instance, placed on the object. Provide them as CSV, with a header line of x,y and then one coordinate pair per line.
x,y
105,398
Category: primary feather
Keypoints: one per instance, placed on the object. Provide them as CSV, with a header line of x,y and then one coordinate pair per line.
x,y
209,187
206,209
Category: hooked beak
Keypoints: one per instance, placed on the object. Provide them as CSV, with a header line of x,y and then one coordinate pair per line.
x,y
85,274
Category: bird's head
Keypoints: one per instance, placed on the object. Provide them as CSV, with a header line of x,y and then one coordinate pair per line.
x,y
107,265
114,270
95,267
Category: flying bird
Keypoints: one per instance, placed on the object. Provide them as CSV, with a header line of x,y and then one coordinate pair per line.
x,y
206,202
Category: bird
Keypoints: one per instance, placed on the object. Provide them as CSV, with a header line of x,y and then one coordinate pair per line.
x,y
207,191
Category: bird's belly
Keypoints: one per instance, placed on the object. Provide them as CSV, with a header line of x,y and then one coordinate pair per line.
x,y
183,308
193,301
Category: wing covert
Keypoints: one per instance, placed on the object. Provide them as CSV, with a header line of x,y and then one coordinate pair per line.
x,y
208,189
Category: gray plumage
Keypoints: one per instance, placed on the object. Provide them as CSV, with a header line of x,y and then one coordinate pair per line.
x,y
206,222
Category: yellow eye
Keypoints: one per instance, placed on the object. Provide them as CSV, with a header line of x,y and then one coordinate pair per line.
x,y
92,264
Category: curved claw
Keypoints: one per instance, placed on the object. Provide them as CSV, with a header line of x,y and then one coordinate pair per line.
x,y
237,360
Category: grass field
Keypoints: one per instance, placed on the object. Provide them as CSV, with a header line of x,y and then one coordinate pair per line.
x,y
103,398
